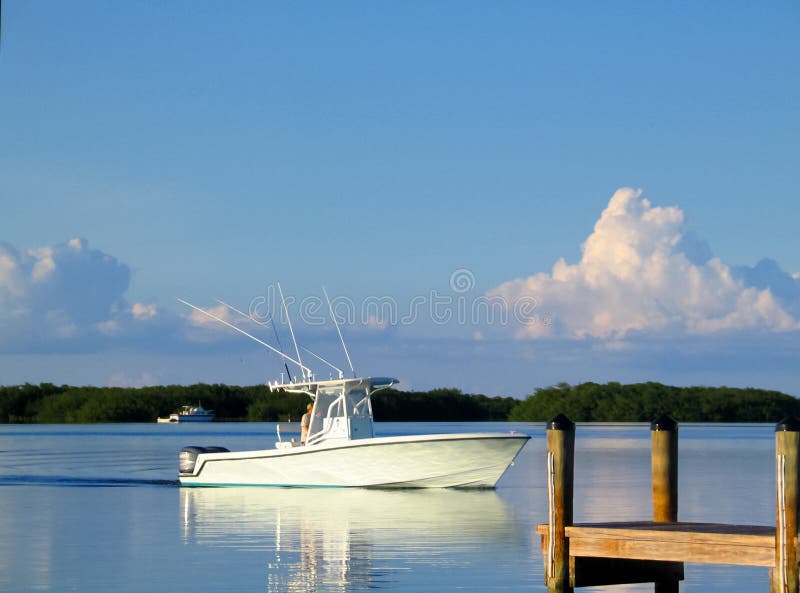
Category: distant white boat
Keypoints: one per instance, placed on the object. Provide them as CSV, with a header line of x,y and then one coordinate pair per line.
x,y
341,449
188,414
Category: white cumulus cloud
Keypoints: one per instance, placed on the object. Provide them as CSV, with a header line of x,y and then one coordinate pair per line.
x,y
143,311
44,265
642,272
200,319
57,296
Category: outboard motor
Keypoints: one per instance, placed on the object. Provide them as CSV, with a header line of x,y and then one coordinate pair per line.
x,y
188,457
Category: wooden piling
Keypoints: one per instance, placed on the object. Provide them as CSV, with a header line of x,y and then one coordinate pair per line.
x,y
784,575
664,459
664,456
560,476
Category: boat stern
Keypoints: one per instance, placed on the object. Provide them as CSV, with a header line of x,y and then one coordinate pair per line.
x,y
187,458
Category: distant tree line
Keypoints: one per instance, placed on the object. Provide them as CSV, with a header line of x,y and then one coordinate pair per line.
x,y
439,405
587,402
643,402
48,403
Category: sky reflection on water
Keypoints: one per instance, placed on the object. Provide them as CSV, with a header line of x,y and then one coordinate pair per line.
x,y
96,508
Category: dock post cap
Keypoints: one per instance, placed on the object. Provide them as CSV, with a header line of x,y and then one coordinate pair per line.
x,y
560,422
788,424
663,422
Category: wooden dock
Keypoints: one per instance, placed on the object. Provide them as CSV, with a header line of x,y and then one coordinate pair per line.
x,y
591,554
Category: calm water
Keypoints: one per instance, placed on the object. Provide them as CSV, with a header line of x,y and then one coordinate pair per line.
x,y
97,509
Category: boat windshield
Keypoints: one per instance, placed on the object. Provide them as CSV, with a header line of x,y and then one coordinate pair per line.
x,y
338,401
329,404
358,402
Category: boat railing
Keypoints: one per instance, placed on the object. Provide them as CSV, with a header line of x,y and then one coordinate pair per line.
x,y
318,436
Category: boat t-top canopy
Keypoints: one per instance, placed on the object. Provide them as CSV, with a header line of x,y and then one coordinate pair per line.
x,y
342,407
371,384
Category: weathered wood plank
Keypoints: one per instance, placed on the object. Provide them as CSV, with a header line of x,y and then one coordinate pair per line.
x,y
699,553
705,543
710,533
675,530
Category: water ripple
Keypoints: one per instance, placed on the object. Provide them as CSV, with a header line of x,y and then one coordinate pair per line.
x,y
71,481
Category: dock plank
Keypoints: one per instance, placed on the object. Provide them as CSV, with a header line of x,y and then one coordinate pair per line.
x,y
705,543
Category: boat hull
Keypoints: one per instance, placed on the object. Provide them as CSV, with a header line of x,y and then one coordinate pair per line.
x,y
426,461
195,418
185,418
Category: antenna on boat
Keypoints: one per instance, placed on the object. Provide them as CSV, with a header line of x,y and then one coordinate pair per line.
x,y
291,331
303,368
339,331
262,323
254,320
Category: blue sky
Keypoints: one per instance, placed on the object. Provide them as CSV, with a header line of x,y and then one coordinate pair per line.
x,y
388,150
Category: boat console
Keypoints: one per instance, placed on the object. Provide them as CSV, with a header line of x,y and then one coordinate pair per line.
x,y
342,408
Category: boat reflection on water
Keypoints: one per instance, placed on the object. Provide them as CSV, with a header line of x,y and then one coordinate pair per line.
x,y
350,539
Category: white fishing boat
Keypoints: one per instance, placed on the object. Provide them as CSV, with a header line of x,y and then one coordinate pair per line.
x,y
341,448
188,414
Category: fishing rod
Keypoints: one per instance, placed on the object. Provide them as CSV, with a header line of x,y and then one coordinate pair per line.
x,y
304,369
339,331
254,320
311,352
